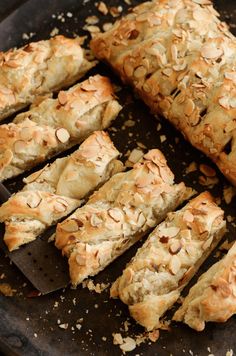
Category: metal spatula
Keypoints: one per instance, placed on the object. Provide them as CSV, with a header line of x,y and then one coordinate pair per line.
x,y
40,261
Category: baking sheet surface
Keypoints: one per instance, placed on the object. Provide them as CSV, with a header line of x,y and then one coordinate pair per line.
x,y
33,325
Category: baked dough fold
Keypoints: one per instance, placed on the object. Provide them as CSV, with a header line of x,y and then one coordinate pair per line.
x,y
152,281
116,216
57,189
38,69
54,125
213,297
180,58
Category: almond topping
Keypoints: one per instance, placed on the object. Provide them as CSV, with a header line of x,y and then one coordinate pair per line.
x,y
34,200
210,52
140,72
62,135
26,133
115,214
72,225
170,231
174,265
19,146
188,216
175,247
81,260
62,98
189,107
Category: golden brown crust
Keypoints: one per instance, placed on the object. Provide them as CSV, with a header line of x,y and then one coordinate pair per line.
x,y
181,60
152,281
54,125
213,297
37,69
118,215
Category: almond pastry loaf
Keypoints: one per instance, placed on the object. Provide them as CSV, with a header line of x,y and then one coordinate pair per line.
x,y
37,69
54,125
151,283
116,216
56,190
180,58
213,297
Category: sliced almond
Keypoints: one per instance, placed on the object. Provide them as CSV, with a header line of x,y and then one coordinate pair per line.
x,y
224,101
170,231
95,220
26,133
188,216
80,260
140,72
62,98
72,225
60,206
224,288
62,135
174,264
175,247
210,52
115,214
189,107
34,200
20,146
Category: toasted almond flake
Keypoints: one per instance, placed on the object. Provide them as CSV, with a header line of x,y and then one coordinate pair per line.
x,y
169,231
189,107
207,170
91,28
128,345
60,207
191,168
102,7
63,326
188,216
80,260
70,225
175,247
107,26
95,220
174,264
117,339
135,155
62,135
26,133
224,288
174,52
230,76
210,52
34,200
115,11
140,72
167,71
19,146
224,102
62,97
92,20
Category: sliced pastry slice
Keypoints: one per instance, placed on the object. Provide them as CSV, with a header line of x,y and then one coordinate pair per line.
x,y
181,59
38,69
57,189
152,281
54,125
213,297
117,215
78,174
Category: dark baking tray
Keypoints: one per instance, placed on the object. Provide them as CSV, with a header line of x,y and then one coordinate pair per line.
x,y
29,326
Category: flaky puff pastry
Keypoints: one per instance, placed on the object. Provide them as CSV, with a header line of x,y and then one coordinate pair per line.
x,y
54,125
118,215
37,69
57,189
181,59
151,283
213,297
78,174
